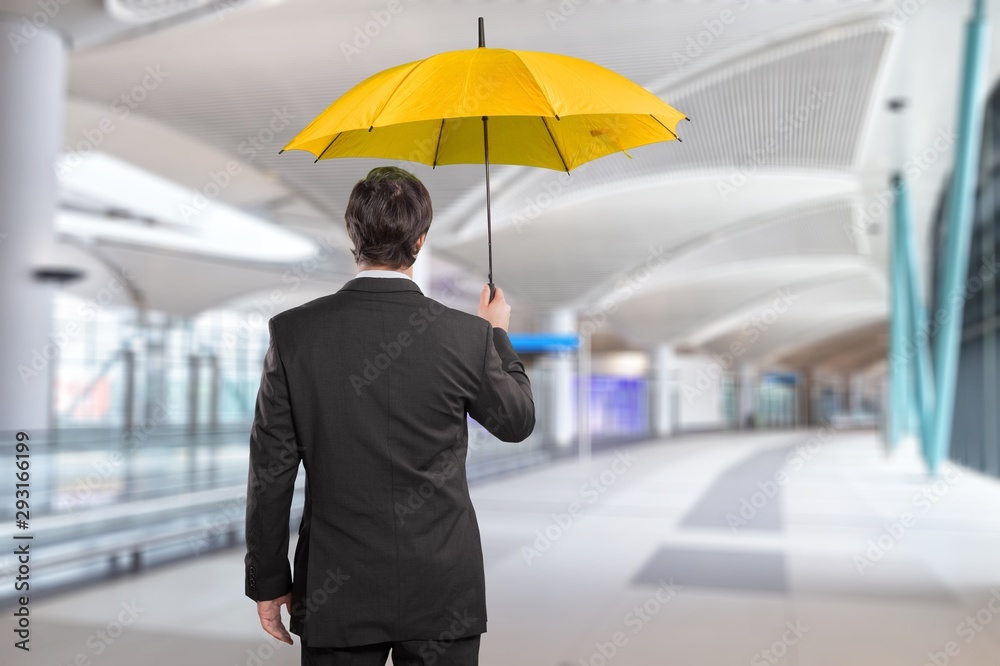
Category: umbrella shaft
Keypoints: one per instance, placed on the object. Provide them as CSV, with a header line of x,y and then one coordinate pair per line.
x,y
489,218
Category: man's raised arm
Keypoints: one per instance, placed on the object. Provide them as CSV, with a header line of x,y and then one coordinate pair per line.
x,y
504,405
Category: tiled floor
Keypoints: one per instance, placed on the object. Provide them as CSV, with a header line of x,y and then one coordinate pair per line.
x,y
704,550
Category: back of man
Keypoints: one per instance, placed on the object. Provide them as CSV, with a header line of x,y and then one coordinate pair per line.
x,y
370,387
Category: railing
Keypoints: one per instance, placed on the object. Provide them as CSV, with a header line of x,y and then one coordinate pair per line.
x,y
103,505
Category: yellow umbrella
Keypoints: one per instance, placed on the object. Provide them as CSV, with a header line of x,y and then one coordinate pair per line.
x,y
536,109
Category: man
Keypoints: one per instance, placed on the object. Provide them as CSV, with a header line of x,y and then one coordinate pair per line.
x,y
370,388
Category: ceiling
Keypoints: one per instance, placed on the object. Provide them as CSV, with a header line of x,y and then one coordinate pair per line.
x,y
683,243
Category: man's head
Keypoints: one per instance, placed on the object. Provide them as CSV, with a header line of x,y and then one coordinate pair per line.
x,y
386,215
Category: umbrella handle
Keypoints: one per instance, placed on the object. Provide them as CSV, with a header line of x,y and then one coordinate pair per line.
x,y
493,291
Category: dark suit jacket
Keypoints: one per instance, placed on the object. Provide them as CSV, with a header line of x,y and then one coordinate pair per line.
x,y
369,388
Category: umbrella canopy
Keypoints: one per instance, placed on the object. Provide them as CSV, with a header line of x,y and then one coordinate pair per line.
x,y
543,110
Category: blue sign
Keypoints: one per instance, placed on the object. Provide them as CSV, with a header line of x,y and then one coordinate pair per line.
x,y
539,343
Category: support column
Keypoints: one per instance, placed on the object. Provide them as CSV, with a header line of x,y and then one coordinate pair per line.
x,y
749,380
958,235
559,420
32,85
664,361
803,386
856,393
422,269
920,399
899,417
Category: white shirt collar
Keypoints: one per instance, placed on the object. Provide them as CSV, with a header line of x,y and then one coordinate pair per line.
x,y
382,273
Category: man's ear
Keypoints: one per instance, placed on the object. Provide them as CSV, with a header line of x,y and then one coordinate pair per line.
x,y
420,241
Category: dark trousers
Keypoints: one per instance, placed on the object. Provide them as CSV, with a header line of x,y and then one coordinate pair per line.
x,y
459,652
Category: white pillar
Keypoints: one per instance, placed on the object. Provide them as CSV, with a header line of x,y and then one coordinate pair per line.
x,y
583,398
663,363
559,420
856,395
32,85
749,379
422,269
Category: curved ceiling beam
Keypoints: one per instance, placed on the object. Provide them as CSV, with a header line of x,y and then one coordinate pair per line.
x,y
793,298
832,323
581,250
781,108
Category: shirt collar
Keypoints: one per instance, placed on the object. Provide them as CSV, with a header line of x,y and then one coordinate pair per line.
x,y
382,273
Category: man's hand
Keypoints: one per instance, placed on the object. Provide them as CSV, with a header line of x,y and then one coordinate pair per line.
x,y
497,312
270,617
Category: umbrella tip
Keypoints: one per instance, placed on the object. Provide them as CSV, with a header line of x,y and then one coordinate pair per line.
x,y
482,33
686,118
281,151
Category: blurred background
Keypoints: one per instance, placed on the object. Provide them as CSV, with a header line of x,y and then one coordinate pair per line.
x,y
747,448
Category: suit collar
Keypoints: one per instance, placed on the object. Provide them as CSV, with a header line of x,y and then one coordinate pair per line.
x,y
381,284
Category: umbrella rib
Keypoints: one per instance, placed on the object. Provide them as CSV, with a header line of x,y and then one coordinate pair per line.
x,y
554,144
437,148
327,148
666,128
388,97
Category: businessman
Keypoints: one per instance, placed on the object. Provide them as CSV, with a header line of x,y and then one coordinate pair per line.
x,y
370,388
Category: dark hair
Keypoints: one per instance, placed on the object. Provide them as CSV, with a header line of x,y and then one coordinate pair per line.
x,y
386,214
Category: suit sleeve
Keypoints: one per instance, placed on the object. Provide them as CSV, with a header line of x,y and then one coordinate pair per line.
x,y
274,464
504,405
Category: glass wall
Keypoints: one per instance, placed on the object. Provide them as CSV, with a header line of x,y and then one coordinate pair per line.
x,y
974,440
